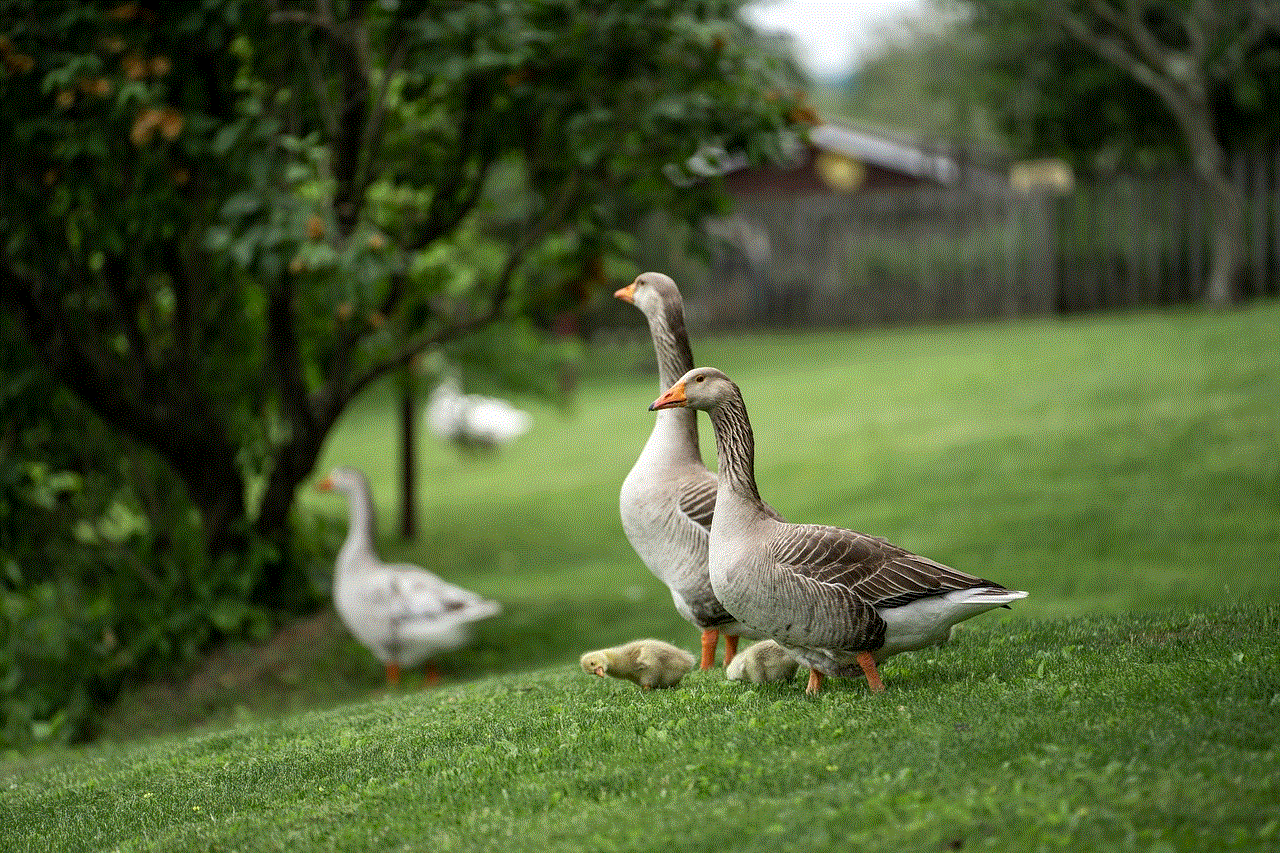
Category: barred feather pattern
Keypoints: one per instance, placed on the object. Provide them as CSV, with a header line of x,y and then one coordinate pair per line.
x,y
735,447
823,593
871,568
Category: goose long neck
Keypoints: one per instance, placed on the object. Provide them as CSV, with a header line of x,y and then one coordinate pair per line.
x,y
671,344
736,448
360,522
675,359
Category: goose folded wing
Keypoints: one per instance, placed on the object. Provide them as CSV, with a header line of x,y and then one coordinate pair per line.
x,y
422,595
873,570
697,499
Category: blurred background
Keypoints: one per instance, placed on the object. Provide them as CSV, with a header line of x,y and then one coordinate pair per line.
x,y
998,281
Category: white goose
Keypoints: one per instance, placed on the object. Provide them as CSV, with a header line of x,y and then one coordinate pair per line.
x,y
668,498
839,601
402,613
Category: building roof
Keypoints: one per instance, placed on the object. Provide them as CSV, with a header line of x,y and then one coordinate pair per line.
x,y
833,157
884,152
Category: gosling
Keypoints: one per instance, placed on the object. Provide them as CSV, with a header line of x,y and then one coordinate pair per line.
x,y
763,662
649,663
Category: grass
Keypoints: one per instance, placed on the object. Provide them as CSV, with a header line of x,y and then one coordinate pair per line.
x,y
1123,469
1108,733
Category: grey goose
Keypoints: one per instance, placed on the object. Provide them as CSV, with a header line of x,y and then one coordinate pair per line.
x,y
837,600
668,498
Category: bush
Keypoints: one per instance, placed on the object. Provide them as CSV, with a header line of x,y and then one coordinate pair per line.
x,y
103,577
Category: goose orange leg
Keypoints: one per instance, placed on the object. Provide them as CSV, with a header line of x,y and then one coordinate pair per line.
x,y
393,674
709,639
433,675
730,647
868,664
815,682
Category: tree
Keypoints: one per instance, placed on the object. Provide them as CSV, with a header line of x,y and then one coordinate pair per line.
x,y
225,220
1185,53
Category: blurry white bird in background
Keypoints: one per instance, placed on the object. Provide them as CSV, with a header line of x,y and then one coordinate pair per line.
x,y
472,421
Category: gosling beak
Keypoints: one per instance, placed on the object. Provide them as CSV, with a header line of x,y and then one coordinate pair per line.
x,y
598,671
671,399
325,485
627,294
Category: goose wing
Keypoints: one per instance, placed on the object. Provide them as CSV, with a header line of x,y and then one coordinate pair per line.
x,y
418,594
696,499
871,569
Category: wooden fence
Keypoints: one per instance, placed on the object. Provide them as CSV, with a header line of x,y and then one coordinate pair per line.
x,y
979,250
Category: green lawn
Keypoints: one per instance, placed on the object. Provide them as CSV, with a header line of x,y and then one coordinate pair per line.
x,y
1125,470
1095,733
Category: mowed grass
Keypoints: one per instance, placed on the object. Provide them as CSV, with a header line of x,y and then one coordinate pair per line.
x,y
1094,733
1125,470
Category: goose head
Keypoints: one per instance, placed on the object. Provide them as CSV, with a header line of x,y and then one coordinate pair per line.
x,y
343,479
703,388
651,292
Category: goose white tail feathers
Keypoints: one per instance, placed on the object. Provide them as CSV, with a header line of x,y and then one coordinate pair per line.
x,y
994,596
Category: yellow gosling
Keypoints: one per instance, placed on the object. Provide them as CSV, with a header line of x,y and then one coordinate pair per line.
x,y
649,663
763,662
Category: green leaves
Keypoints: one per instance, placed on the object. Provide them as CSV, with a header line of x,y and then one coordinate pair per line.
x,y
224,219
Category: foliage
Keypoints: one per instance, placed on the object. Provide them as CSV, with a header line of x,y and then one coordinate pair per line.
x,y
103,577
1038,80
1089,733
1196,72
224,220
921,80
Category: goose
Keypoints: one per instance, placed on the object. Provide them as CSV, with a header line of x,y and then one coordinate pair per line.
x,y
403,614
668,498
649,663
473,421
837,600
761,663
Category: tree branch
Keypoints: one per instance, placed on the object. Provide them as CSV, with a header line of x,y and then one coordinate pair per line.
x,y
184,296
372,140
126,311
439,221
348,40
283,342
176,427
1113,51
1131,24
550,219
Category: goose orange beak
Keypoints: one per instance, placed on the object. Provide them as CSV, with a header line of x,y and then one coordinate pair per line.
x,y
673,398
599,671
325,485
627,294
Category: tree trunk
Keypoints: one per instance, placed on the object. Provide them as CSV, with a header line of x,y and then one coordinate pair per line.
x,y
216,488
408,460
1225,210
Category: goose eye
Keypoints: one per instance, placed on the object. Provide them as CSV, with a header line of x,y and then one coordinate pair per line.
x,y
699,378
